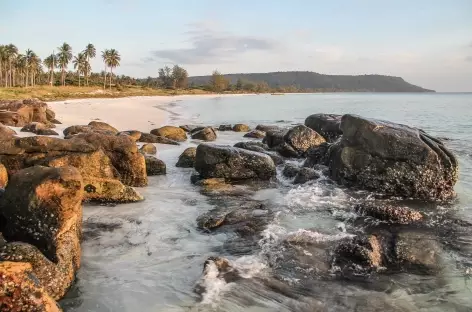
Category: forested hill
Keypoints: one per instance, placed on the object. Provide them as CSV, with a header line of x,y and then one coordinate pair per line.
x,y
311,81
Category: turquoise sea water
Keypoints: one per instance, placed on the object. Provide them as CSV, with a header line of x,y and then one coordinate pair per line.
x,y
148,256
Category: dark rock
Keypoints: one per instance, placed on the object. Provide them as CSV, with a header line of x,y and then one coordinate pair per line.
x,y
215,161
252,146
188,128
47,132
386,212
305,175
419,252
99,125
286,150
266,128
317,155
241,128
393,159
274,138
205,134
155,166
198,128
301,138
151,138
170,132
148,148
187,158
358,253
225,128
34,127
255,134
328,125
290,171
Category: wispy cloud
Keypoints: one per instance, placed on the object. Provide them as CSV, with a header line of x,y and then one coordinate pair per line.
x,y
210,45
468,59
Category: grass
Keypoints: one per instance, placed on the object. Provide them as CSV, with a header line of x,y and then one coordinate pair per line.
x,y
48,93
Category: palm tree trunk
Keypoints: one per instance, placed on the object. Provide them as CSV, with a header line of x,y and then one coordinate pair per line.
x,y
86,71
26,80
78,73
105,79
11,82
111,75
62,76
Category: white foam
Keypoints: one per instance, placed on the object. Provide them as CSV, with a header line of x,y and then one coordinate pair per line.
x,y
213,284
307,236
314,196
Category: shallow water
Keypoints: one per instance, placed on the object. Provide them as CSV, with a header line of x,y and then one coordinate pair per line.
x,y
149,256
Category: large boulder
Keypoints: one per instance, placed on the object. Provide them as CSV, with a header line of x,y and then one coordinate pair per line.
x,y
302,138
265,128
151,138
6,133
261,148
155,166
187,158
241,128
43,207
100,125
170,132
69,132
274,138
22,112
393,159
148,148
328,125
215,161
205,134
19,289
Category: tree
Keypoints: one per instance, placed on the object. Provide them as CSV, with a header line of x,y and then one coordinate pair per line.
x,y
90,52
218,82
11,54
2,62
105,58
64,56
34,67
239,84
113,59
79,64
165,77
50,63
179,77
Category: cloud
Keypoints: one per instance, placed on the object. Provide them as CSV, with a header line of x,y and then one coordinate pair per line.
x,y
209,45
468,59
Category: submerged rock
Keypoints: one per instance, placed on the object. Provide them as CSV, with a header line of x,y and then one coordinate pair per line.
x,y
418,252
205,134
393,159
266,128
290,171
148,148
305,174
241,128
187,158
216,161
385,212
170,132
328,125
225,128
151,138
155,166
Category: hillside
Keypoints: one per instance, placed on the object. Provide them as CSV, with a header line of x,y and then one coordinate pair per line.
x,y
319,82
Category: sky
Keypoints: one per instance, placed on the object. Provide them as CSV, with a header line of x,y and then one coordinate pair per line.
x,y
426,42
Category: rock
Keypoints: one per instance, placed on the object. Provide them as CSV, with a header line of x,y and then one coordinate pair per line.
x,y
225,128
255,134
206,134
253,146
305,175
188,128
20,290
124,156
241,128
316,155
359,252
6,133
3,176
198,128
290,171
266,128
215,161
38,128
148,148
47,132
151,138
134,134
99,125
170,132
43,207
418,252
286,150
109,191
327,125
50,114
386,212
187,158
274,138
301,138
155,166
22,112
392,159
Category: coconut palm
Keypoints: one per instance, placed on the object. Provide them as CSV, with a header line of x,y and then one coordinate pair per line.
x,y
90,52
34,67
50,63
28,58
64,56
105,57
2,62
20,64
113,61
11,53
79,64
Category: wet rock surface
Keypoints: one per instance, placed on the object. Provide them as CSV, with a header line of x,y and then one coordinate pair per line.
x,y
148,148
305,174
205,134
151,138
174,133
255,134
187,158
327,125
155,166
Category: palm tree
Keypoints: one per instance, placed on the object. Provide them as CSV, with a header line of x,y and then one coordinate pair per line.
x,y
90,52
35,67
64,57
2,60
105,57
113,60
11,53
20,64
28,55
50,63
79,64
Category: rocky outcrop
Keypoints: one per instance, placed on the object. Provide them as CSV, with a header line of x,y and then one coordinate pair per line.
x,y
205,134
151,138
6,133
328,125
38,128
392,159
19,113
255,134
241,128
99,125
148,148
155,166
43,208
187,158
170,132
215,161
19,289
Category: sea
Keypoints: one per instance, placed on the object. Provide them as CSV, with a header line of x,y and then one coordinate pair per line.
x,y
149,256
